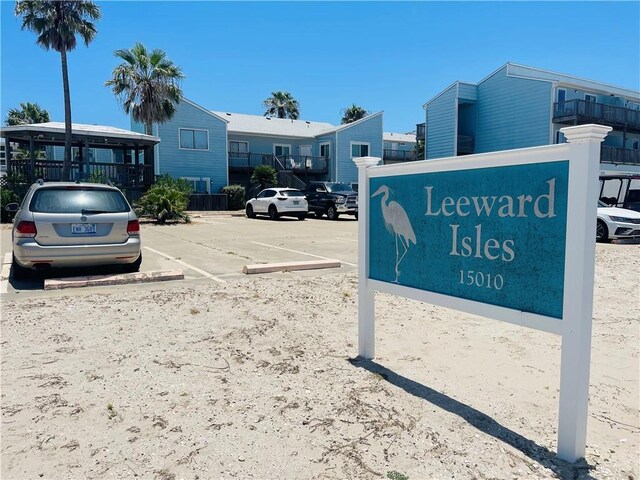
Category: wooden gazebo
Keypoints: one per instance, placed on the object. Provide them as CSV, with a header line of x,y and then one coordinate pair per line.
x,y
132,172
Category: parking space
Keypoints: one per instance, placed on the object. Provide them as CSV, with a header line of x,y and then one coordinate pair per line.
x,y
215,247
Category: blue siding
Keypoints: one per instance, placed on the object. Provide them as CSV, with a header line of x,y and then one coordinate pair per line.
x,y
441,125
467,91
331,138
211,163
100,155
512,113
367,130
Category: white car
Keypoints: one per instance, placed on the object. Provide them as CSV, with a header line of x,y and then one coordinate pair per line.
x,y
277,202
614,222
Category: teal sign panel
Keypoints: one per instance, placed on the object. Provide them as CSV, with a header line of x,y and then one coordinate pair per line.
x,y
494,235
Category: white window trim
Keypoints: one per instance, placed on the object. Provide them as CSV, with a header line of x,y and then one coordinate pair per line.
x,y
282,145
320,148
239,141
352,143
180,147
207,180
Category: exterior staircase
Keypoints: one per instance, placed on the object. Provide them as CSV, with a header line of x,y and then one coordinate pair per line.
x,y
286,178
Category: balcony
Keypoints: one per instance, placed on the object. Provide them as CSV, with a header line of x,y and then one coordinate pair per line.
x,y
398,156
619,156
246,162
578,112
421,131
466,145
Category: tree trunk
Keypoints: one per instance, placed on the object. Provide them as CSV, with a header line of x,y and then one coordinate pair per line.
x,y
66,164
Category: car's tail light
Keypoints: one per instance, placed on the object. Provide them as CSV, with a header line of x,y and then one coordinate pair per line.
x,y
133,227
26,230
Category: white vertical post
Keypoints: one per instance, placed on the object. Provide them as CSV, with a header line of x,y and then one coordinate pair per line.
x,y
584,164
366,304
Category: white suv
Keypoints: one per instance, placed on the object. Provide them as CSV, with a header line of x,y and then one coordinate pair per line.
x,y
277,202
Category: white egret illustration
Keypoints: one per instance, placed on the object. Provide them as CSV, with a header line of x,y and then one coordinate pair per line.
x,y
397,223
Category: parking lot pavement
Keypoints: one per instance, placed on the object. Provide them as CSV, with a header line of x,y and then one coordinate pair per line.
x,y
214,248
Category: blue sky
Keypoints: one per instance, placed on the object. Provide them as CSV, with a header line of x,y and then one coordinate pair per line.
x,y
391,56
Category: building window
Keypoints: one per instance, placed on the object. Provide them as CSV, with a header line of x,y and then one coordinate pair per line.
x,y
120,156
239,147
325,150
88,154
590,98
359,149
199,184
281,150
194,139
562,96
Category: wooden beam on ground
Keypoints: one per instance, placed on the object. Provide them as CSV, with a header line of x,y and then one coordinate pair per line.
x,y
119,279
290,266
626,241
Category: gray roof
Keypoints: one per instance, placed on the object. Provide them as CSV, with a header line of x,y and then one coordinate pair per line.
x,y
514,69
78,129
282,127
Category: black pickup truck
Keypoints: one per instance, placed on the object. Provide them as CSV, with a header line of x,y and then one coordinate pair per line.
x,y
331,199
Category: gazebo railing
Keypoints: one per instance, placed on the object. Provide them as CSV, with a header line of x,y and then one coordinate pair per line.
x,y
125,175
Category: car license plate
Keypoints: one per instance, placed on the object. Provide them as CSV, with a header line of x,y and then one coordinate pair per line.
x,y
296,202
83,228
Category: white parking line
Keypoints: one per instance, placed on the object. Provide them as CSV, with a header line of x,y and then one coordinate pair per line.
x,y
4,273
190,267
301,253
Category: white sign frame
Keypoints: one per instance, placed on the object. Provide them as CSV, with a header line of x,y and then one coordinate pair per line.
x,y
583,154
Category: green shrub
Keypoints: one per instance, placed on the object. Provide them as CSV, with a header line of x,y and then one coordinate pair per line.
x,y
98,176
166,200
177,183
265,176
236,195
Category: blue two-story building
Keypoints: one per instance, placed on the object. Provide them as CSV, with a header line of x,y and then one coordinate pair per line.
x,y
518,106
214,149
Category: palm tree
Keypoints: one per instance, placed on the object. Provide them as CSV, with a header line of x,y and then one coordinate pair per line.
x,y
353,113
282,105
56,24
27,113
147,84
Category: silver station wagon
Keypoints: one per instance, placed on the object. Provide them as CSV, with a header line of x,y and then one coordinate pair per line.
x,y
63,224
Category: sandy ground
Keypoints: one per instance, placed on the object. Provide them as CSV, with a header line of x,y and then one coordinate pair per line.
x,y
257,379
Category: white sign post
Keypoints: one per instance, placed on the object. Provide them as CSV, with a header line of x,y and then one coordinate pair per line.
x,y
544,198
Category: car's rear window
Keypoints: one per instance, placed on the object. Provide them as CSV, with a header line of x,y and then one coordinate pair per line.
x,y
291,193
77,200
